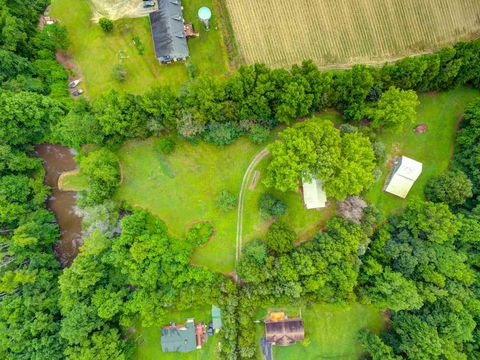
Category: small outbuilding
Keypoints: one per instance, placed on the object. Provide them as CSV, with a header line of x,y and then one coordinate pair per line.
x,y
285,332
179,338
404,174
314,196
216,318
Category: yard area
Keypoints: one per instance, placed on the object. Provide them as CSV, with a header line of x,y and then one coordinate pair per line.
x,y
441,112
331,329
149,347
341,33
181,189
95,53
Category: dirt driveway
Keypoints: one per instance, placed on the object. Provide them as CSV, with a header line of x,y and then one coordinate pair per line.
x,y
116,9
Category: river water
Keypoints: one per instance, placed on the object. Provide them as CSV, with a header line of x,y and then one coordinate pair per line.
x,y
58,159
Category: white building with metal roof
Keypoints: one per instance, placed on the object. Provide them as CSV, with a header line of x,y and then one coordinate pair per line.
x,y
314,196
404,174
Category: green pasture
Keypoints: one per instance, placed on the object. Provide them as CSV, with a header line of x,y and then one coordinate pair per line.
x,y
441,112
331,330
95,52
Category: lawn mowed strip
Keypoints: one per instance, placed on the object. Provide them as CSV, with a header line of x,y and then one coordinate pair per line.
x,y
331,330
95,52
441,112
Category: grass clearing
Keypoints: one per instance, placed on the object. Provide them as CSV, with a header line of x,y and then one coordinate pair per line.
x,y
434,148
331,328
95,52
343,33
149,347
72,181
201,172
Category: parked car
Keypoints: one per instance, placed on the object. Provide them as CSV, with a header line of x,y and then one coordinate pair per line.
x,y
77,92
148,4
74,83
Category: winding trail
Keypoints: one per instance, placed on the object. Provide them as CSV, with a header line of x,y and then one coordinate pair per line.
x,y
241,202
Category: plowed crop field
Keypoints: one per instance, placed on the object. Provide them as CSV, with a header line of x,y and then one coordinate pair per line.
x,y
339,33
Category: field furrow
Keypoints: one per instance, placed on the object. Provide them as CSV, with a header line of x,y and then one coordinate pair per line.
x,y
340,33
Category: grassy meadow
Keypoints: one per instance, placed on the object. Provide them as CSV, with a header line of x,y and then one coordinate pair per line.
x,y
330,329
434,148
341,33
94,52
181,189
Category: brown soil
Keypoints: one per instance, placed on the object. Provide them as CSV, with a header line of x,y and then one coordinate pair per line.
x,y
117,9
420,129
253,184
65,58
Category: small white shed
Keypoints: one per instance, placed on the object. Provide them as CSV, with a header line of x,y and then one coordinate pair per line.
x,y
404,174
314,196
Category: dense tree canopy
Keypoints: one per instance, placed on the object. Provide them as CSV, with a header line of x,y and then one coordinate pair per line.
x,y
316,149
395,109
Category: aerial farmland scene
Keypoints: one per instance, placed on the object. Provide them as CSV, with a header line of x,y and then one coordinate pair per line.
x,y
239,179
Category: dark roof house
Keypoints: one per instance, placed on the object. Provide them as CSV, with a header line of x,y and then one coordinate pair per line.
x,y
168,32
285,332
179,338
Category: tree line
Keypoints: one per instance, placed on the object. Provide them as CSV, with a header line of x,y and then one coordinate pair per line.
x,y
257,98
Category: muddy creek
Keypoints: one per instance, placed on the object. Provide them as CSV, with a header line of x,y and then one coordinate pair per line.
x,y
57,160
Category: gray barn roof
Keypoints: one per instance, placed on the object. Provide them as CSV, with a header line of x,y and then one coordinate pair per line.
x,y
167,31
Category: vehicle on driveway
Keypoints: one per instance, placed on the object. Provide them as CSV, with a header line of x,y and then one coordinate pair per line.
x,y
148,4
74,83
77,92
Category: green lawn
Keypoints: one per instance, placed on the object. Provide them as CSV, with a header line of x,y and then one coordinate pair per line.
x,y
95,52
181,189
72,181
148,341
331,329
441,112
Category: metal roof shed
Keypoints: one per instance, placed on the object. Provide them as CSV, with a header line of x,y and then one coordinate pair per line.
x,y
216,317
314,196
404,174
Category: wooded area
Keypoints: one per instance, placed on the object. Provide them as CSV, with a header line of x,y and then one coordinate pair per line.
x,y
420,264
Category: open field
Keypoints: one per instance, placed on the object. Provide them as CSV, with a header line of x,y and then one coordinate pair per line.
x,y
441,112
95,52
342,33
181,190
332,330
150,347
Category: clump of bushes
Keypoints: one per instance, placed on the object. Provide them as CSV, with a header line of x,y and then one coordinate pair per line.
x,y
119,72
106,24
165,146
280,237
259,134
226,201
200,233
451,187
270,206
222,133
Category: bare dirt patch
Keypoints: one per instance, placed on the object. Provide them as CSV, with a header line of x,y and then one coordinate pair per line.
x,y
117,9
420,129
